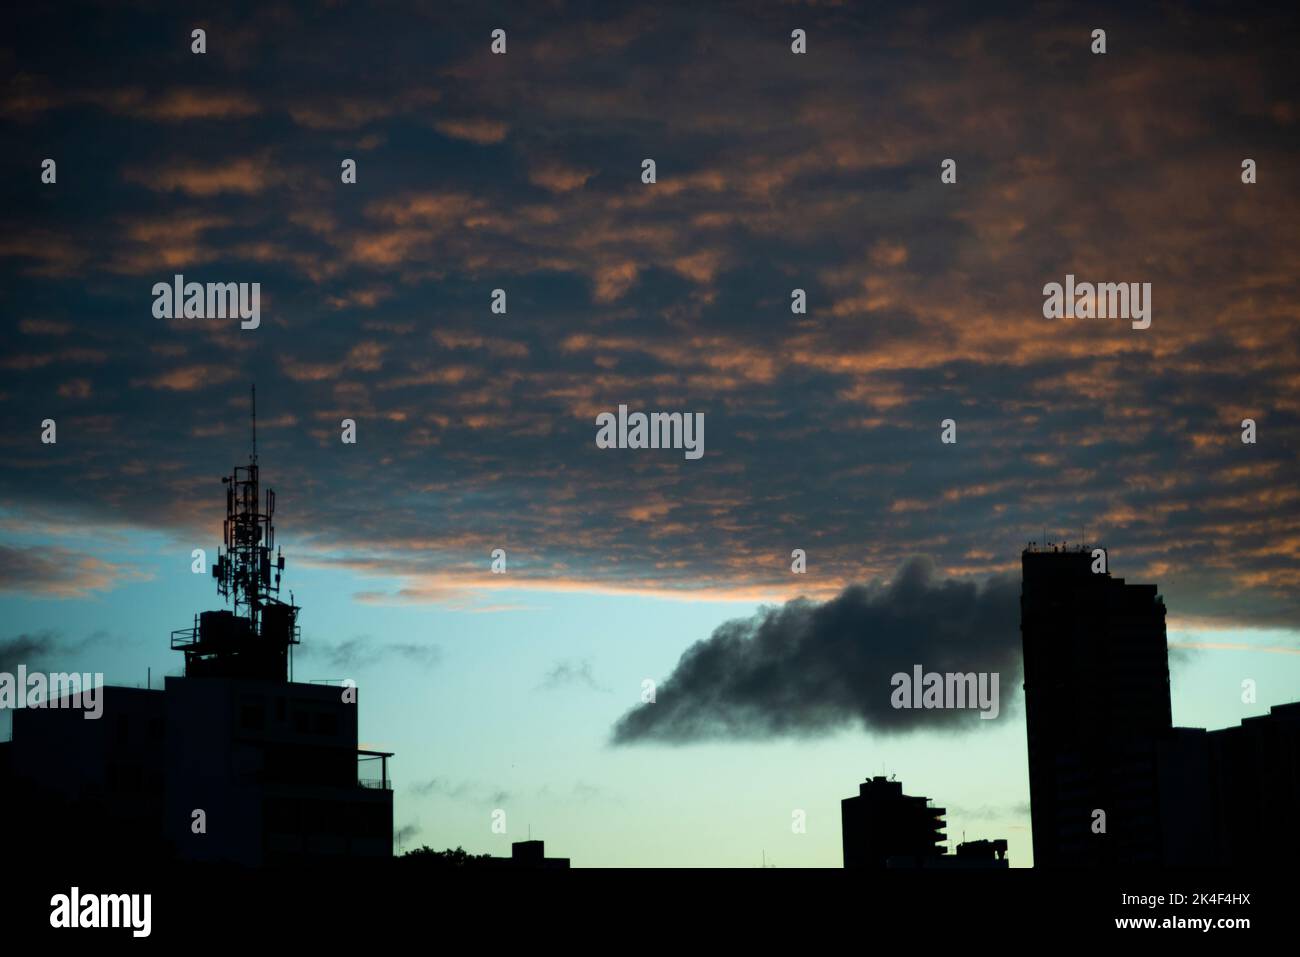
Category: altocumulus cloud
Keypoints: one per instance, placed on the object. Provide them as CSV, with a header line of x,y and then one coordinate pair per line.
x,y
807,668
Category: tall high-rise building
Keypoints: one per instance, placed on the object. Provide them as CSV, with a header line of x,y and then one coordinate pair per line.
x,y
1111,781
1096,706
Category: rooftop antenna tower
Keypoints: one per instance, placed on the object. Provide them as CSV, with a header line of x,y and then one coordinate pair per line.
x,y
247,573
255,639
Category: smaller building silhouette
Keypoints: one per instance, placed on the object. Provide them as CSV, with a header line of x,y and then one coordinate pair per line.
x,y
883,823
530,855
982,853
885,828
1224,792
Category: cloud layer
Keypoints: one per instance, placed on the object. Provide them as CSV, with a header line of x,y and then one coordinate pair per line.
x,y
776,171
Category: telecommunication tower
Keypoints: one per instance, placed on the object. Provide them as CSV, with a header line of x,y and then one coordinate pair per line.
x,y
255,638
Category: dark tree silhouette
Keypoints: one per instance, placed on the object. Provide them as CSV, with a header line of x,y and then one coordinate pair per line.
x,y
426,856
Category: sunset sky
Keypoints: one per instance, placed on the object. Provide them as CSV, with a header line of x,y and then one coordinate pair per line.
x,y
476,431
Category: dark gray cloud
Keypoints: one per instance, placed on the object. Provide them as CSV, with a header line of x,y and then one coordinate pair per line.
x,y
571,672
47,648
472,792
989,812
807,668
582,792
363,651
406,832
27,649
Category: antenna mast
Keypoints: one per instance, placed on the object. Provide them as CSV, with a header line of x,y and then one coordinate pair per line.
x,y
256,638
253,415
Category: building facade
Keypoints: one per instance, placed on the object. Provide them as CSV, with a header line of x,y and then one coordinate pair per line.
x,y
234,762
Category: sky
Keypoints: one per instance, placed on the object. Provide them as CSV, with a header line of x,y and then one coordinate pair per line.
x,y
475,430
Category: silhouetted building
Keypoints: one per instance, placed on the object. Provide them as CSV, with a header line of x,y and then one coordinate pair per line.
x,y
1096,704
970,856
982,853
530,855
1097,715
1257,776
273,767
78,786
233,762
1227,793
1187,806
885,828
883,823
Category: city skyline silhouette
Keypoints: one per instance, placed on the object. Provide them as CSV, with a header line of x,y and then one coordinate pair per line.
x,y
1112,781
